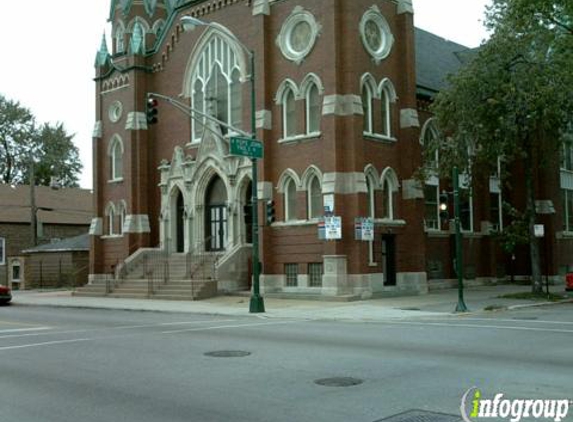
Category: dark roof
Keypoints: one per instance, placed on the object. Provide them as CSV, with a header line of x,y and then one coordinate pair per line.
x,y
67,205
78,243
436,58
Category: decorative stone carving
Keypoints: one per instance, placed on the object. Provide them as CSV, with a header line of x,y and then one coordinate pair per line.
x,y
298,35
376,35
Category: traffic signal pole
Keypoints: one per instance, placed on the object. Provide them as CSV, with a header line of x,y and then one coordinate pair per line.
x,y
461,306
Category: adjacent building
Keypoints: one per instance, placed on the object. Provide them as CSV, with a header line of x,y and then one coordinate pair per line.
x,y
59,214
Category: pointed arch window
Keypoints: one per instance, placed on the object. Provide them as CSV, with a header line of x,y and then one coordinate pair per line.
x,y
216,86
386,113
290,200
115,152
315,207
289,114
110,214
430,148
122,216
119,39
367,97
313,112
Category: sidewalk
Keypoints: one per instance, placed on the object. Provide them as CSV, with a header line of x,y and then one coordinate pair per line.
x,y
440,303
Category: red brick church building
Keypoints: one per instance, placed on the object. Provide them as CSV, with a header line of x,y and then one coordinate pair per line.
x,y
342,89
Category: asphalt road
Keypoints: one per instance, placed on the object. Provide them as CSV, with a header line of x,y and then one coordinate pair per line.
x,y
73,365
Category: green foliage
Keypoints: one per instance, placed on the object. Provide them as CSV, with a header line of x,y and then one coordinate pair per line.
x,y
512,100
49,146
515,232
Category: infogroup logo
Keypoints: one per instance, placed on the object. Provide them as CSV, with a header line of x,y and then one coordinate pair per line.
x,y
474,407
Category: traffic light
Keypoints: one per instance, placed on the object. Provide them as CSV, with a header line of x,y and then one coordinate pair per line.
x,y
151,110
444,215
270,212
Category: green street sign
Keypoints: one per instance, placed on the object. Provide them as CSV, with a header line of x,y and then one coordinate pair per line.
x,y
246,147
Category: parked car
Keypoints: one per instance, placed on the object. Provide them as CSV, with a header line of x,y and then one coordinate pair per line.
x,y
5,295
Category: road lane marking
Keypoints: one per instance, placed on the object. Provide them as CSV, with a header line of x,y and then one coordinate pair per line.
x,y
488,327
23,330
529,321
125,327
47,343
219,327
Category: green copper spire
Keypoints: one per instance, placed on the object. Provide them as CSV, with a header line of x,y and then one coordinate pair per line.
x,y
136,45
102,56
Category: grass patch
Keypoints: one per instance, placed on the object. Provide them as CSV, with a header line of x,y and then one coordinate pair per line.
x,y
551,297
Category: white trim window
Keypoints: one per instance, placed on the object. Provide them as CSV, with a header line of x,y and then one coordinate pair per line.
x,y
466,205
110,213
115,153
431,206
367,97
567,155
119,38
2,251
313,109
290,200
315,206
377,107
122,216
389,187
289,113
216,86
386,113
567,199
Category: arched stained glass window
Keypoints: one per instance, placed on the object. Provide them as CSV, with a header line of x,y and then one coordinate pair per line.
x,y
216,86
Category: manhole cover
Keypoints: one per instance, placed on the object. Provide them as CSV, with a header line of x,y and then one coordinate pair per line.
x,y
339,382
525,318
227,354
421,416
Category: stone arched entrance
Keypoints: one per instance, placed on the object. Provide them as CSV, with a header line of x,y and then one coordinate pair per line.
x,y
216,215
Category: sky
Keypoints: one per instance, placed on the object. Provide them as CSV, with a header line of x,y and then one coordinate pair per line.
x,y
49,47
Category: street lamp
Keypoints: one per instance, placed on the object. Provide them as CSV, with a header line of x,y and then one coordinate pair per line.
x,y
189,23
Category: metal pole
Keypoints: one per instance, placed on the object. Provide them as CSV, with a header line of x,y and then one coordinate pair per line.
x,y
33,210
461,306
257,304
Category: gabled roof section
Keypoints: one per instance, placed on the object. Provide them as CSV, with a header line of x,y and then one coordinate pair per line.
x,y
436,58
69,206
79,243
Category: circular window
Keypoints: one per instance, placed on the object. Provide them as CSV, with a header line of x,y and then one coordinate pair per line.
x,y
298,35
115,111
375,34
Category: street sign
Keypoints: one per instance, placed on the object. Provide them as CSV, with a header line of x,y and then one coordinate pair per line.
x,y
246,147
539,230
364,229
331,227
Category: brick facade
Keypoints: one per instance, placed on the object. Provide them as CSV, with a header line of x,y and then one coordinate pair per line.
x,y
160,162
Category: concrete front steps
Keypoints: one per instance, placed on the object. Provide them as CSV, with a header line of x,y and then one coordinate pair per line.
x,y
141,289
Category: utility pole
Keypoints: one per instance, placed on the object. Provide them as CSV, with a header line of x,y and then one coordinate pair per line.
x,y
33,209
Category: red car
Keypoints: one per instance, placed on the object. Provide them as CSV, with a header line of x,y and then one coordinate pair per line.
x,y
5,295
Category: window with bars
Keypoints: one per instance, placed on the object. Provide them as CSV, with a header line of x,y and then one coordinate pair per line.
x,y
315,274
291,271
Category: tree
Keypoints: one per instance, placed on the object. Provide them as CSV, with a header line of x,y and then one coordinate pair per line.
x,y
56,156
17,128
512,100
49,146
